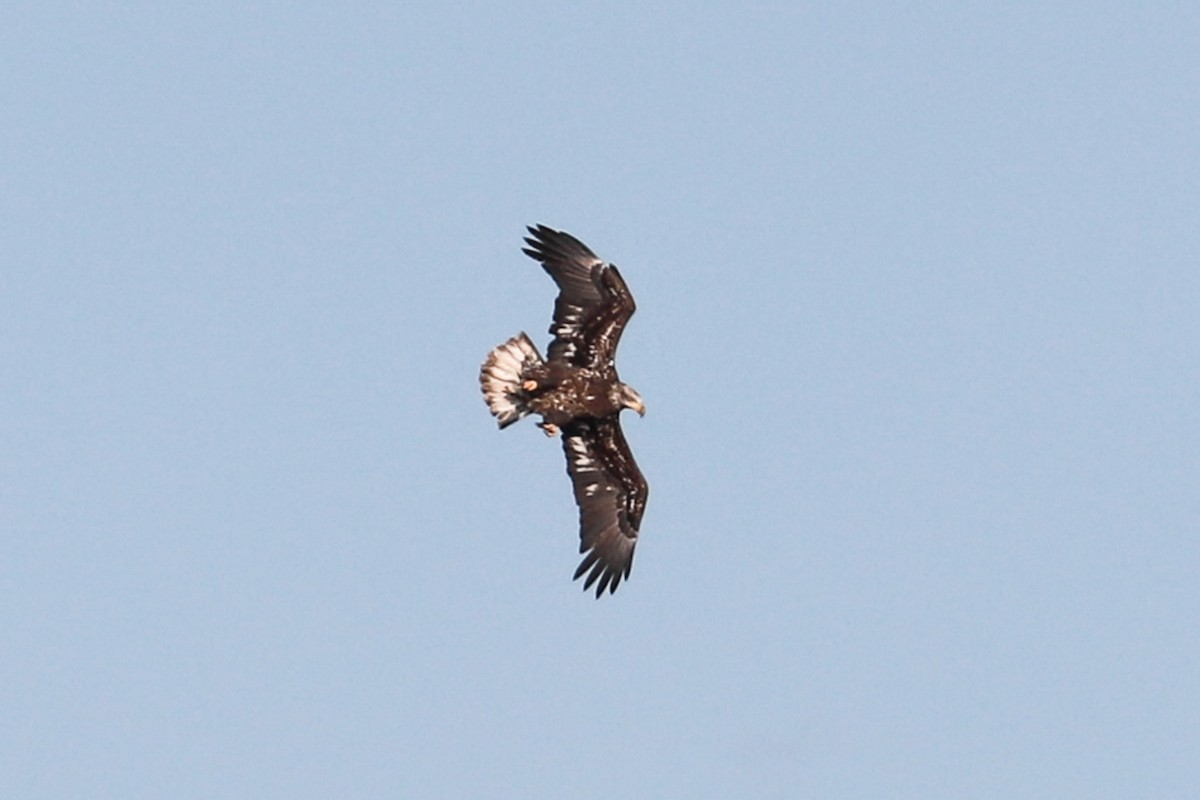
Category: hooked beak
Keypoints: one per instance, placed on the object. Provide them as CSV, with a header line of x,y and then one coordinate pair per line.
x,y
634,400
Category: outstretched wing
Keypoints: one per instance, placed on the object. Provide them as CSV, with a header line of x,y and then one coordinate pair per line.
x,y
611,494
593,304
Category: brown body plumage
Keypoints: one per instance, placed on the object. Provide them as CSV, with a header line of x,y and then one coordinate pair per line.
x,y
576,390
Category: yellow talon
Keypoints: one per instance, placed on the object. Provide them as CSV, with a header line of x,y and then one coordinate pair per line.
x,y
529,386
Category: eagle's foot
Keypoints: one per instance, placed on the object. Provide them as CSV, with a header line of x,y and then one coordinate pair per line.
x,y
549,427
529,386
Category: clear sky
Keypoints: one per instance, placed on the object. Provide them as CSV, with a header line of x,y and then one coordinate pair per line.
x,y
918,332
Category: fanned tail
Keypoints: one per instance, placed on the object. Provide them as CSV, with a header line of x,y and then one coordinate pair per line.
x,y
500,378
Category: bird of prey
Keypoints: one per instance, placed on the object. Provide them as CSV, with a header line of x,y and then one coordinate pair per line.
x,y
576,390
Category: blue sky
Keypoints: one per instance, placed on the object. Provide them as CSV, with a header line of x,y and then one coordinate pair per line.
x,y
917,332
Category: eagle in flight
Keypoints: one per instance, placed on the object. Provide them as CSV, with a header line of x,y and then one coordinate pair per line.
x,y
576,390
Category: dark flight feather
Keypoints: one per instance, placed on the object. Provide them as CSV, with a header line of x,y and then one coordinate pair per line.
x,y
611,494
593,304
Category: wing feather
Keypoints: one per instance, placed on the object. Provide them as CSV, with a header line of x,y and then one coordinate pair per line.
x,y
611,494
593,304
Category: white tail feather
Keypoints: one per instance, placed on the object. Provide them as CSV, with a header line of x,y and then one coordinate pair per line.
x,y
500,378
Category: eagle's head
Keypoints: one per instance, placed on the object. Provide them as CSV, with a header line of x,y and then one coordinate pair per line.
x,y
629,398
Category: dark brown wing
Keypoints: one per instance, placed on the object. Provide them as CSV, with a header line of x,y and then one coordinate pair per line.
x,y
593,304
611,494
